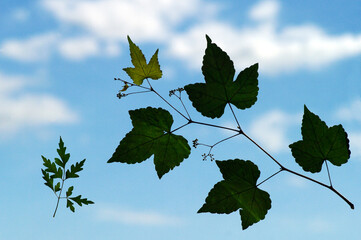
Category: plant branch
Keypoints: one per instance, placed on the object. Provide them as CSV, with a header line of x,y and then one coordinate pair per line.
x,y
153,90
234,115
216,126
269,155
270,177
180,98
300,175
324,185
328,173
61,189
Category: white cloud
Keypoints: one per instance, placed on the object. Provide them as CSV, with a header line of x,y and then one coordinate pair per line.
x,y
136,217
19,110
265,10
180,26
355,144
35,48
9,84
79,48
351,112
271,128
285,50
112,19
41,47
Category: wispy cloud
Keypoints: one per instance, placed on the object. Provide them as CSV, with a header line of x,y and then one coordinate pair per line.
x,y
355,144
112,19
137,217
21,109
180,27
277,49
79,48
351,112
270,129
35,48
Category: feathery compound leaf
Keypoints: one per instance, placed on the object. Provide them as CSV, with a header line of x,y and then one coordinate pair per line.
x,y
151,134
141,69
58,173
238,190
211,98
320,143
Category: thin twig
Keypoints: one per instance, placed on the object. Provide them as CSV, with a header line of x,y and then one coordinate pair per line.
x,y
180,98
216,126
328,173
270,177
234,115
153,90
300,175
57,203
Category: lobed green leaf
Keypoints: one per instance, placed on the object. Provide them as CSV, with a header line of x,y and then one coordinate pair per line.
x,y
238,190
320,143
141,69
211,98
151,135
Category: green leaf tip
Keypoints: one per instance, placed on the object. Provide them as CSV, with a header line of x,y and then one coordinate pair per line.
x,y
142,69
238,191
210,98
320,143
151,135
209,40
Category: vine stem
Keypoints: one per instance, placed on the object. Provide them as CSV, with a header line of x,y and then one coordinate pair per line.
x,y
250,139
301,175
234,115
216,126
57,203
152,89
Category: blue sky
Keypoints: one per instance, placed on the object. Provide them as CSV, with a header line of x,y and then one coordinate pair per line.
x,y
58,60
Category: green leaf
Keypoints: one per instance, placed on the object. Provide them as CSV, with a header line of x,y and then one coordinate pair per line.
x,y
320,143
211,98
70,205
64,156
51,167
70,191
141,69
81,201
48,180
57,187
238,190
74,169
151,134
59,162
